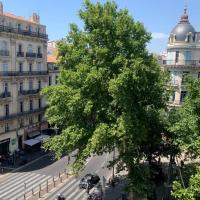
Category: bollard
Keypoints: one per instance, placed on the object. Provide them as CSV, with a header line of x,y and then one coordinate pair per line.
x,y
47,187
61,179
24,195
59,174
65,170
32,191
40,187
54,183
67,175
39,194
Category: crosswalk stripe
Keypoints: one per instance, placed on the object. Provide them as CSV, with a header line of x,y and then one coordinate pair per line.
x,y
15,178
20,192
80,195
16,182
68,192
66,186
20,185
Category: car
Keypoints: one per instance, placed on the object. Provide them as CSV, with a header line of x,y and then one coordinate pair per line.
x,y
88,181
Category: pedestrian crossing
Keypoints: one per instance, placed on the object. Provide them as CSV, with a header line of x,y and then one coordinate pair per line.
x,y
71,191
15,185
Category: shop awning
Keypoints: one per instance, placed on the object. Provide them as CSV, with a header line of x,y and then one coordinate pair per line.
x,y
33,134
42,138
31,142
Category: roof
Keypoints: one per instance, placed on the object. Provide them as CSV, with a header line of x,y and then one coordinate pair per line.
x,y
10,15
51,59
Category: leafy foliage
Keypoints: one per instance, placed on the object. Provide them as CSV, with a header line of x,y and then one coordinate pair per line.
x,y
110,91
192,192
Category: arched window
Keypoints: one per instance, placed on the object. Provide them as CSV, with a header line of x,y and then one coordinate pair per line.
x,y
30,48
19,47
4,46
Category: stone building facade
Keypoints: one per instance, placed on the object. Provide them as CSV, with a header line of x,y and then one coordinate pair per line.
x,y
23,72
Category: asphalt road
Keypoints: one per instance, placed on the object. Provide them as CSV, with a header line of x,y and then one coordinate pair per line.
x,y
95,164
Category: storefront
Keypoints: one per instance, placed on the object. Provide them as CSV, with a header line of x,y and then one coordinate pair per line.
x,y
4,146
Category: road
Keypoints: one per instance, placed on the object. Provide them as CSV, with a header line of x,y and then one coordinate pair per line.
x,y
70,189
14,185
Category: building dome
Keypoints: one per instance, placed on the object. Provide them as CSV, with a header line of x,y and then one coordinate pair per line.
x,y
183,28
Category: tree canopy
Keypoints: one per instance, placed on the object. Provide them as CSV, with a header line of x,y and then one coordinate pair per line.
x,y
110,92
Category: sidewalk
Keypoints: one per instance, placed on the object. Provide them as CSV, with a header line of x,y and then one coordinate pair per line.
x,y
19,162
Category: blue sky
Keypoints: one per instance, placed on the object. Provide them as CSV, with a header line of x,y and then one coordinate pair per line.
x,y
158,16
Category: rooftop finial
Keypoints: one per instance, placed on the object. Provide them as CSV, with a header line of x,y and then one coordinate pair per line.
x,y
184,17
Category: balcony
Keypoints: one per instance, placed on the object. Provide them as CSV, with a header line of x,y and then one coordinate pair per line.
x,y
4,53
14,115
20,54
30,55
181,63
5,94
39,55
23,73
8,29
28,92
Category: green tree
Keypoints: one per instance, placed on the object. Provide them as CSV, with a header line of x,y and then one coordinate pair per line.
x,y
186,131
192,192
109,94
186,128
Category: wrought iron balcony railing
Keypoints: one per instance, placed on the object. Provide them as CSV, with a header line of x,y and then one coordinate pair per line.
x,y
4,53
23,73
14,115
27,92
5,95
22,32
20,54
39,55
183,62
30,55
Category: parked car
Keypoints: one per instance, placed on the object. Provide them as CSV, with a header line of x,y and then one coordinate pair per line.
x,y
88,181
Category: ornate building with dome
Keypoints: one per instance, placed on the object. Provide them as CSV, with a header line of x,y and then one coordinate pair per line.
x,y
183,57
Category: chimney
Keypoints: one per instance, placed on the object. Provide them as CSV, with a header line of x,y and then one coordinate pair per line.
x,y
35,18
1,7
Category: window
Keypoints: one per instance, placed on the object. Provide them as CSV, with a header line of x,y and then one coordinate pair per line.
x,y
56,79
19,27
6,127
29,28
183,95
21,123
30,120
39,66
21,86
39,50
7,110
19,48
31,104
4,46
39,103
177,56
30,67
39,84
184,77
5,66
6,87
199,75
21,107
20,67
50,81
30,85
39,118
30,48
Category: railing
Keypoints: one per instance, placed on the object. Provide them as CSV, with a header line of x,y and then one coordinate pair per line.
x,y
14,115
27,92
39,55
4,53
20,54
183,62
5,95
22,32
30,55
23,73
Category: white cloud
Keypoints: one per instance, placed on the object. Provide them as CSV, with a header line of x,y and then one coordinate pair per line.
x,y
158,36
